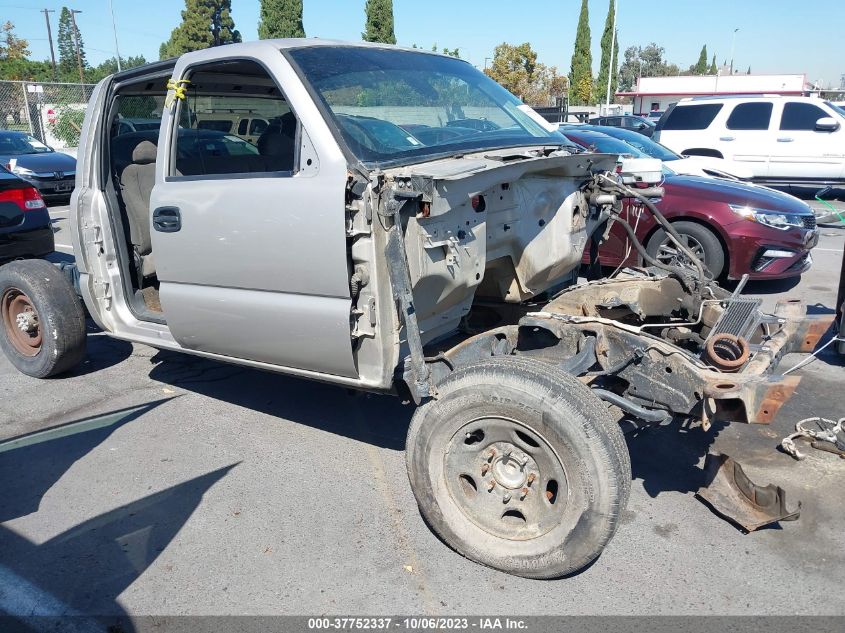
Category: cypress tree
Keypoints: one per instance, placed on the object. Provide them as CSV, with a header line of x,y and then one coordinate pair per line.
x,y
379,22
205,23
280,18
581,71
713,70
606,62
700,67
66,42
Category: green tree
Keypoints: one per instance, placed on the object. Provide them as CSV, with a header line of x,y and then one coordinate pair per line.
x,y
700,67
109,67
205,23
713,70
608,40
516,68
644,61
379,22
581,70
280,18
749,71
66,42
11,46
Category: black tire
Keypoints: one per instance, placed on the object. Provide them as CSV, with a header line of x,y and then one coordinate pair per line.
x,y
55,341
714,254
556,412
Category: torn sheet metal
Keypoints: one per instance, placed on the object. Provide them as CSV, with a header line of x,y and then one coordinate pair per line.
x,y
731,494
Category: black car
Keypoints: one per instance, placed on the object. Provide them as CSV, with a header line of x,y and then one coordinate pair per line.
x,y
25,229
52,173
626,122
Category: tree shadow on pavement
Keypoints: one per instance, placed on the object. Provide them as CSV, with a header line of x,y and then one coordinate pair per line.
x,y
81,572
375,419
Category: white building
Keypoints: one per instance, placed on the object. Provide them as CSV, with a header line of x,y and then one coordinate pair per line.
x,y
658,93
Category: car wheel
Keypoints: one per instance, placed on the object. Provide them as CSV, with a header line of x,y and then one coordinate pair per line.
x,y
699,239
42,320
518,466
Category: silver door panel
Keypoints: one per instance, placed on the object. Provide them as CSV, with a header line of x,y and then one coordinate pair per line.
x,y
301,331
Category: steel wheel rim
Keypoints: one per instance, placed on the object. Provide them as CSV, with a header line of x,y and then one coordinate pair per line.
x,y
21,322
669,253
506,478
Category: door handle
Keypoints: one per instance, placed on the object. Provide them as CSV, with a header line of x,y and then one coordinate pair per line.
x,y
167,219
727,138
784,139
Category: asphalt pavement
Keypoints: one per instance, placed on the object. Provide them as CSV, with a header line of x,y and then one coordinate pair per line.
x,y
165,484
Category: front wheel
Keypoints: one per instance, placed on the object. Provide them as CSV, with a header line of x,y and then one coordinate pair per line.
x,y
699,239
517,465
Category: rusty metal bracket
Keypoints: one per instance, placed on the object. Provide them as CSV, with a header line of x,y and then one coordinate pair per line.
x,y
732,495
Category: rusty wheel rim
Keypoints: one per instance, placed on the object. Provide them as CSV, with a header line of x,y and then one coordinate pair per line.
x,y
21,322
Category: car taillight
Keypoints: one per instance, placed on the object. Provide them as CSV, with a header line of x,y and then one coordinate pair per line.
x,y
27,199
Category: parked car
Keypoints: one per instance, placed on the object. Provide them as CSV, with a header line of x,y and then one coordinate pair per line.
x,y
783,140
631,122
706,166
345,252
654,116
49,171
733,227
25,229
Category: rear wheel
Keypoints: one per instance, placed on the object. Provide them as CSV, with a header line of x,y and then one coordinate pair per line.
x,y
700,240
43,324
518,466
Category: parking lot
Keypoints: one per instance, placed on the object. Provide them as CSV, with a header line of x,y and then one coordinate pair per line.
x,y
169,484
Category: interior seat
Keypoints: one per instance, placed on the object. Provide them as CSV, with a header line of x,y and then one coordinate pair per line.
x,y
136,185
278,143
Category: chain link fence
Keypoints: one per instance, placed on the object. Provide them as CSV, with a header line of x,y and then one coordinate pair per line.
x,y
51,112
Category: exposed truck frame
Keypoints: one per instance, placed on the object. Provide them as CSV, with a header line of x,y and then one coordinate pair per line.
x,y
449,281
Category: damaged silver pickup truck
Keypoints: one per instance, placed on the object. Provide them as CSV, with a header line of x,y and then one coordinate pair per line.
x,y
402,224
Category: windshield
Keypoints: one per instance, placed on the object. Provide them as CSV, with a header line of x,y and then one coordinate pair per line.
x,y
603,144
647,146
20,144
394,106
838,109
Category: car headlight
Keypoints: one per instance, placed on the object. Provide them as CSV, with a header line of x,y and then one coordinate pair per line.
x,y
774,219
22,171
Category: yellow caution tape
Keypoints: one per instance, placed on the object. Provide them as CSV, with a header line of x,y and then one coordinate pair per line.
x,y
179,88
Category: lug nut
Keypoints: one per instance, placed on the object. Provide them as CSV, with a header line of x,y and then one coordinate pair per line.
x,y
524,492
491,485
491,454
531,478
484,469
506,498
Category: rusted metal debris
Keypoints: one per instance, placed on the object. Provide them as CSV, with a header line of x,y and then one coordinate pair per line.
x,y
732,495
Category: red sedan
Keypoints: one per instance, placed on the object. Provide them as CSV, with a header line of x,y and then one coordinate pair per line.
x,y
734,227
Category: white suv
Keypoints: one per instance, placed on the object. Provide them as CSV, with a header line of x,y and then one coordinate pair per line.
x,y
783,140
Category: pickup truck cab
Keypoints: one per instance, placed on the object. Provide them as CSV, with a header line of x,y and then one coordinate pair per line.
x,y
365,242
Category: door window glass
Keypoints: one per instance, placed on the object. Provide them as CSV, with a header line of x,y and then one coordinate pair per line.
x,y
800,116
205,145
750,116
692,117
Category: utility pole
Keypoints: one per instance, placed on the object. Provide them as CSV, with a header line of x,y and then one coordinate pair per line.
x,y
733,41
114,30
610,61
73,13
47,13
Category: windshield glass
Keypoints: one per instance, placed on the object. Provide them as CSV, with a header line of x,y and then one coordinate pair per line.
x,y
647,146
838,109
603,144
394,106
19,144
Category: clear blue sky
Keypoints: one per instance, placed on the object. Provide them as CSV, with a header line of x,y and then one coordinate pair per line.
x,y
776,36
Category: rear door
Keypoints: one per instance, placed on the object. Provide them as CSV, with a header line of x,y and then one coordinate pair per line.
x,y
800,151
746,136
250,247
